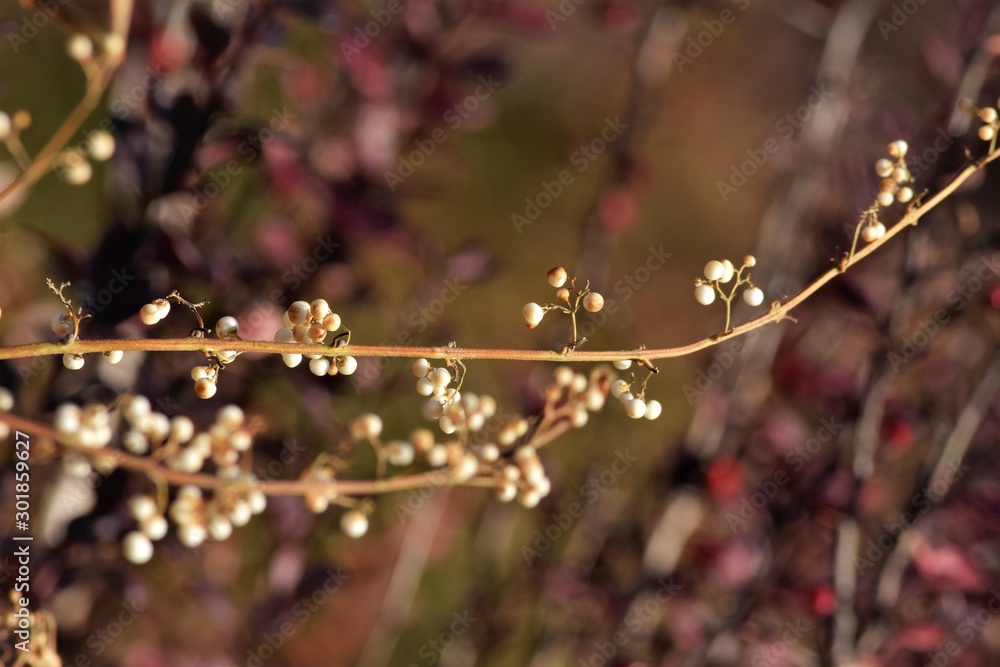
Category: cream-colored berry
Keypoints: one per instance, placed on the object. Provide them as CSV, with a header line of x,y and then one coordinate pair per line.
x,y
897,149
904,195
74,362
331,322
533,314
78,172
192,534
883,168
354,523
6,400
439,377
563,376
714,270
137,548
421,367
885,198
704,294
291,360
79,47
142,507
365,427
619,387
754,296
347,365
299,312
155,527
557,276
319,366
622,364
205,388
227,327
986,133
506,491
149,314
113,356
100,145
319,309
635,408
400,453
653,410
988,115
593,302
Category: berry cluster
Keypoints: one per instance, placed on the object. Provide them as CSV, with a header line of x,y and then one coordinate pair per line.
x,y
895,185
719,273
67,326
88,427
182,449
153,312
311,323
635,403
989,118
574,298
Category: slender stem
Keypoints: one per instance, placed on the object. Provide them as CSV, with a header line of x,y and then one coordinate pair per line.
x,y
779,310
155,470
97,83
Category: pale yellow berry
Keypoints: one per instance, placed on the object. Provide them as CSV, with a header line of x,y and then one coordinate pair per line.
x,y
897,149
883,168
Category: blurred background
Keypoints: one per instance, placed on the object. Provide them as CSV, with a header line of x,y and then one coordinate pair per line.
x,y
421,164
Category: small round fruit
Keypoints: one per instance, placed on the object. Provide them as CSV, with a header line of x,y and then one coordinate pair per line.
x,y
753,296
354,523
636,408
74,362
113,356
532,314
653,409
593,302
421,367
205,388
227,327
557,277
137,548
149,314
897,149
62,324
347,365
714,270
704,294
